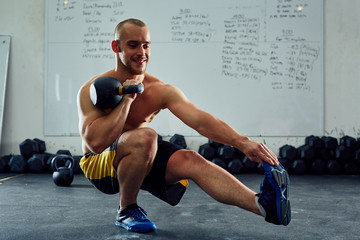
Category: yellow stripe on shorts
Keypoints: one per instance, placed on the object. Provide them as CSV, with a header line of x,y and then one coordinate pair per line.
x,y
99,166
184,182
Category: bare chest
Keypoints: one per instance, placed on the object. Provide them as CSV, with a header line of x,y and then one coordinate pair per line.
x,y
143,110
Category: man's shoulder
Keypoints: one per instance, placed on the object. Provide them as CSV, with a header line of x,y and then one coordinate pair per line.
x,y
156,82
152,79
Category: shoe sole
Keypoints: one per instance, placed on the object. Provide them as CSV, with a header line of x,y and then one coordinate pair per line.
x,y
135,229
279,179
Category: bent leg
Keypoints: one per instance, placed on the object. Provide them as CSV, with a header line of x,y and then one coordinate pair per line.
x,y
214,180
136,150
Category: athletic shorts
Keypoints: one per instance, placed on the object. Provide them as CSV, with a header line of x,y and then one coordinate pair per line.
x,y
99,170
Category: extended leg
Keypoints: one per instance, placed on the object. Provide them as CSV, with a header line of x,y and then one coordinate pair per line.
x,y
223,187
214,180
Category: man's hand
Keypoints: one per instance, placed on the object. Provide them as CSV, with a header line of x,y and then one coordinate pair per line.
x,y
258,152
130,82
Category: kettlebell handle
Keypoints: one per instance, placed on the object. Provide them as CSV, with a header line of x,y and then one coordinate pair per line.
x,y
54,161
129,89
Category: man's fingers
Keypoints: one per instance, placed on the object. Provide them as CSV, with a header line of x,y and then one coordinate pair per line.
x,y
269,156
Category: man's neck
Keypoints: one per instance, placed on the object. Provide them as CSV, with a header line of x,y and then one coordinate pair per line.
x,y
123,74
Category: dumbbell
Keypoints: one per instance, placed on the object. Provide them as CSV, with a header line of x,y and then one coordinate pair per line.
x,y
235,166
215,144
179,140
249,165
344,153
4,163
107,92
64,152
317,166
37,162
330,142
207,151
323,153
286,163
226,152
29,147
349,142
239,154
299,166
306,152
219,162
17,164
357,157
288,151
76,167
260,169
333,167
350,168
314,141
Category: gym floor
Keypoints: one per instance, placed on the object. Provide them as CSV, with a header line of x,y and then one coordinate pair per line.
x,y
33,207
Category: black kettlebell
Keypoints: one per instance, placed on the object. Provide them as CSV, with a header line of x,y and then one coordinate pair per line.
x,y
62,165
107,92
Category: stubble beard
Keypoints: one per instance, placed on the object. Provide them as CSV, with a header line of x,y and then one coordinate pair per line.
x,y
132,70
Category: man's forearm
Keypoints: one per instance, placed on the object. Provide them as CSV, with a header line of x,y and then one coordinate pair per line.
x,y
221,132
102,132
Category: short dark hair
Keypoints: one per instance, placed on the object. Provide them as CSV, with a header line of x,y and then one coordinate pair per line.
x,y
119,28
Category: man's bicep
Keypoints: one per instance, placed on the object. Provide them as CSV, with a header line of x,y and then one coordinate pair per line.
x,y
86,112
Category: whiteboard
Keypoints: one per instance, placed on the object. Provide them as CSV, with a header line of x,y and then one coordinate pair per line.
x,y
256,64
4,63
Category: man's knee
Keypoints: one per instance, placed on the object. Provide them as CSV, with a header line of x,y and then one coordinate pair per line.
x,y
145,138
141,138
185,164
140,143
193,159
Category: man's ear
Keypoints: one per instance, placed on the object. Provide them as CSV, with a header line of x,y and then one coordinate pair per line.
x,y
115,46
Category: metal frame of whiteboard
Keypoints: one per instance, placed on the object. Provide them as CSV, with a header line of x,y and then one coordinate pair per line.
x,y
4,62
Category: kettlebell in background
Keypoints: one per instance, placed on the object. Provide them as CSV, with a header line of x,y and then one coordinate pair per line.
x,y
62,165
107,92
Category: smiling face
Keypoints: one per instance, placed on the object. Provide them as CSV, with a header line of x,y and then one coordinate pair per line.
x,y
133,47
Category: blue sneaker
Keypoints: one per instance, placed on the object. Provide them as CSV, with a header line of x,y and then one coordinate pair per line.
x,y
133,218
274,195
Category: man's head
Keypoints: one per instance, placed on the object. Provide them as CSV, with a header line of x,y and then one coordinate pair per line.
x,y
120,27
132,42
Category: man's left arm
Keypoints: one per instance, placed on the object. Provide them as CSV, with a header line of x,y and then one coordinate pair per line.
x,y
215,129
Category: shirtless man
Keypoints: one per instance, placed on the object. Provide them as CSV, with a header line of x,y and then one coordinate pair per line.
x,y
123,155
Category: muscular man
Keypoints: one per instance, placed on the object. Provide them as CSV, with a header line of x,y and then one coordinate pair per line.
x,y
122,154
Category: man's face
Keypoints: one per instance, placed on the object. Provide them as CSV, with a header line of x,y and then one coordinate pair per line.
x,y
134,49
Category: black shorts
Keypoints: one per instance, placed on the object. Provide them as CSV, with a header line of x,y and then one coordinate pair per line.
x,y
98,168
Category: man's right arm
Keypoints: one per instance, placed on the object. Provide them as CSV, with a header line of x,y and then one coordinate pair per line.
x,y
100,128
214,128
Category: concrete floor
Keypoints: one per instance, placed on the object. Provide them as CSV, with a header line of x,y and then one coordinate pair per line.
x,y
33,207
